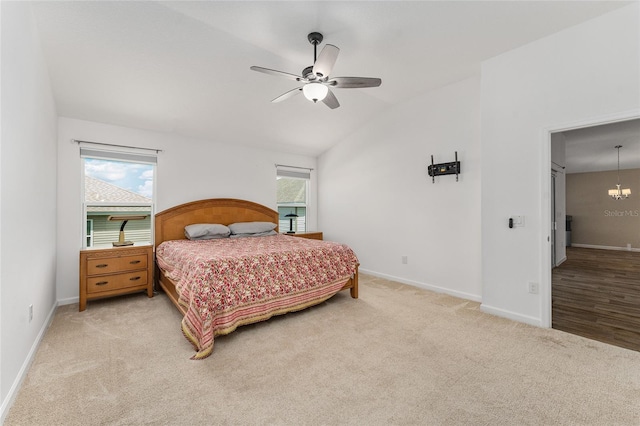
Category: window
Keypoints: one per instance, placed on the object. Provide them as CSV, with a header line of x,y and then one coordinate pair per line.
x,y
292,198
117,185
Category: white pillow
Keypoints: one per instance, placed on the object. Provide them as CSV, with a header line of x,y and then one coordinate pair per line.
x,y
206,231
252,227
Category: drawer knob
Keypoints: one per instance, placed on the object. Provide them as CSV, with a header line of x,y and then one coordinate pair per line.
x,y
102,265
134,278
102,283
133,262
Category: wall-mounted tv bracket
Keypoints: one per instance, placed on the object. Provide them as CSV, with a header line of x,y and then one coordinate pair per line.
x,y
441,169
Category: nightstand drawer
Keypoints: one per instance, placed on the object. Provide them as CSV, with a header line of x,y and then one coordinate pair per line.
x,y
116,282
116,264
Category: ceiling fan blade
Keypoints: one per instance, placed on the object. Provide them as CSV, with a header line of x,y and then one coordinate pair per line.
x,y
327,58
277,73
288,94
330,100
355,82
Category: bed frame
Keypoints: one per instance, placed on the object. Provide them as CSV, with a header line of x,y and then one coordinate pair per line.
x,y
170,223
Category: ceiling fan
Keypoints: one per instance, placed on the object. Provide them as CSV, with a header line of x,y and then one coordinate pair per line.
x,y
317,83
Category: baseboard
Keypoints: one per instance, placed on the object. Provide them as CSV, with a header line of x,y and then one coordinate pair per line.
x,y
69,301
592,246
437,289
15,387
511,315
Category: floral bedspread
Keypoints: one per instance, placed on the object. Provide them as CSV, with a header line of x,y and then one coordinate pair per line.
x,y
229,282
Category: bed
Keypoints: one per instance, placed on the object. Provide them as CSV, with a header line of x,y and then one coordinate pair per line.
x,y
221,284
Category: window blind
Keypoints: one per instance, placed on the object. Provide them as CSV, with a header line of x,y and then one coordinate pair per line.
x,y
118,155
294,172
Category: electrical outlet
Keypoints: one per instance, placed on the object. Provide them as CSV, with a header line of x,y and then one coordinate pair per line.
x,y
405,260
30,312
533,288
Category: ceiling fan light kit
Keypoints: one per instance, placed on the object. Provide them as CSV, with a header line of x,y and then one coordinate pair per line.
x,y
315,91
316,81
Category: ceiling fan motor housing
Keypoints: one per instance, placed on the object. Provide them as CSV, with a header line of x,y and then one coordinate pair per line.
x,y
308,73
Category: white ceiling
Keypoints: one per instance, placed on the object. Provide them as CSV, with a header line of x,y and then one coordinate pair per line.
x,y
592,149
183,67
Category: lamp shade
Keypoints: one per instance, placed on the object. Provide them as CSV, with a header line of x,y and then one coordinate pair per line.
x,y
619,193
315,91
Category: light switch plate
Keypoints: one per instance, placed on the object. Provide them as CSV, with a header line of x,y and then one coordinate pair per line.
x,y
518,221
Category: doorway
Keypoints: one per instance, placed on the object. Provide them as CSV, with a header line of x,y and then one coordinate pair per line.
x,y
593,284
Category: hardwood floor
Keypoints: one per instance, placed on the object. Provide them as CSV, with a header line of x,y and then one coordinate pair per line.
x,y
596,294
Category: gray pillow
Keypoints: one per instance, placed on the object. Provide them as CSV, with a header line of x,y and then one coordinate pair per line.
x,y
257,234
251,227
206,231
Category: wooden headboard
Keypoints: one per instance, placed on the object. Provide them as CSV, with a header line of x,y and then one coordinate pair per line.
x,y
170,223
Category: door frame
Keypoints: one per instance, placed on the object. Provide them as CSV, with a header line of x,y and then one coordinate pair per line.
x,y
545,200
553,211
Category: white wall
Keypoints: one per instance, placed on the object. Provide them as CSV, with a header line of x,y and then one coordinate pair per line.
x,y
585,73
28,193
188,170
375,193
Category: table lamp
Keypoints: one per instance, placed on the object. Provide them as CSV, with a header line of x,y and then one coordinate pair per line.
x,y
124,218
291,216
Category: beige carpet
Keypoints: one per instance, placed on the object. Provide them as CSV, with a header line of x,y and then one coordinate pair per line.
x,y
397,355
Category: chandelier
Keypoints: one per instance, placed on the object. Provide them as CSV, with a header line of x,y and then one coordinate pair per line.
x,y
617,193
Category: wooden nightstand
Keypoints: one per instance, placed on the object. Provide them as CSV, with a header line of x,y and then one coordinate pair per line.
x,y
311,235
115,271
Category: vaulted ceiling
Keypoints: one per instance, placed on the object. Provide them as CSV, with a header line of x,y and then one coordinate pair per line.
x,y
183,67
